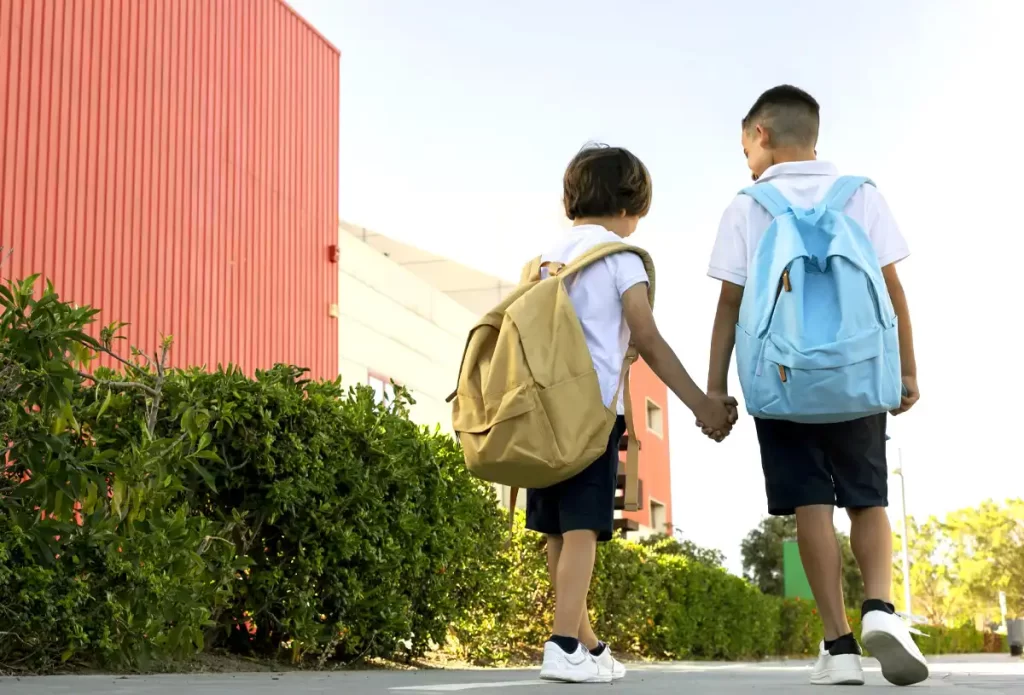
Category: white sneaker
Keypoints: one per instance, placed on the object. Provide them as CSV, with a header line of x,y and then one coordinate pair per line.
x,y
609,664
839,669
887,638
578,667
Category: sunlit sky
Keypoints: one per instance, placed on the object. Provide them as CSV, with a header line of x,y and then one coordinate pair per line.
x,y
458,117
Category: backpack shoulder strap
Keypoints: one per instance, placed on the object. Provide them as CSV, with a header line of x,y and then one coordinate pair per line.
x,y
768,197
632,491
596,253
842,190
531,271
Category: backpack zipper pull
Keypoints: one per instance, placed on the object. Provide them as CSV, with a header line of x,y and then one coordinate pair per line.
x,y
782,373
785,283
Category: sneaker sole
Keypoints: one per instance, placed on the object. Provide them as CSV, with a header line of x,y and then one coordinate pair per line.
x,y
899,666
563,677
840,678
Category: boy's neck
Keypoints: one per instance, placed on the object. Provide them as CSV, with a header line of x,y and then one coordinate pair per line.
x,y
793,154
615,225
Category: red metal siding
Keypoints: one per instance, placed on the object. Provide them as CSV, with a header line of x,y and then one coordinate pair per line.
x,y
175,163
655,462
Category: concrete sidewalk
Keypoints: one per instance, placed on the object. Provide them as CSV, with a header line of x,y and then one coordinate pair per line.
x,y
982,675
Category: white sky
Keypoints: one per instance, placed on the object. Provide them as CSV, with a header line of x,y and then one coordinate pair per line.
x,y
458,117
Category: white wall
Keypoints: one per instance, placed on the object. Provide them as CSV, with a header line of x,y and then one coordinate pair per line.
x,y
393,324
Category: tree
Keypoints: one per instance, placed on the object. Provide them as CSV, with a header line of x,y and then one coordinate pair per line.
x,y
762,553
988,553
937,593
762,559
959,566
678,544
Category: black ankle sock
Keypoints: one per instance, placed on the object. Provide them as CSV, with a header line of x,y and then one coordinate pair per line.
x,y
875,604
847,644
569,645
599,649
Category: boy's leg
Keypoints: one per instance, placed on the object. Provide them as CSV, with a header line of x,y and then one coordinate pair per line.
x,y
583,513
857,454
798,481
871,540
823,564
572,580
585,634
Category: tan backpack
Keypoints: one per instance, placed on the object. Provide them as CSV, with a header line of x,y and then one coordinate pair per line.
x,y
528,408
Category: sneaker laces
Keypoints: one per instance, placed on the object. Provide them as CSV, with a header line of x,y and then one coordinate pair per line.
x,y
910,620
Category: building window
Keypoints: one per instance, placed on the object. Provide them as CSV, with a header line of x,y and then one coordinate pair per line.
x,y
655,419
383,389
659,517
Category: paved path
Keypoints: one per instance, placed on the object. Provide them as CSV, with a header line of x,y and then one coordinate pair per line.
x,y
986,675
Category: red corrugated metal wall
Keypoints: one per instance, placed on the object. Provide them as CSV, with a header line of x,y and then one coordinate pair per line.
x,y
174,163
655,461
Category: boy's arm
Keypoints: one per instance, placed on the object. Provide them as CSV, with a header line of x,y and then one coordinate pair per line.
x,y
714,412
908,362
891,248
723,337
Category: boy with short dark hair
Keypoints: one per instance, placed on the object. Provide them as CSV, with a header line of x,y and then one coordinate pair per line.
x,y
606,191
812,468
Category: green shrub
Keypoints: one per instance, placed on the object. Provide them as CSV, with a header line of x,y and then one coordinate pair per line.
x,y
101,561
800,630
656,599
153,513
364,532
964,639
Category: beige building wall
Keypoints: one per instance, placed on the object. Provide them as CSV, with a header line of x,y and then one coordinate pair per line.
x,y
394,325
403,315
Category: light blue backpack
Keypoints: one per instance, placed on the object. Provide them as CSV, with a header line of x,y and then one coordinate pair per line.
x,y
817,337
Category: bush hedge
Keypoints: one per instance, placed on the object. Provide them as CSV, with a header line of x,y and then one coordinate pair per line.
x,y
153,513
150,514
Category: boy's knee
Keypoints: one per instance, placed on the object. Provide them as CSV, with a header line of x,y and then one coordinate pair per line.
x,y
856,514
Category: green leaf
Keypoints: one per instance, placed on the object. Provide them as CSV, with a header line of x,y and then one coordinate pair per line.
x,y
92,491
117,501
188,421
58,505
209,455
205,474
69,416
204,441
106,403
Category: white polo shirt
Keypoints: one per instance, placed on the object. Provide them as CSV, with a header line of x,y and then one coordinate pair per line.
x,y
804,184
596,295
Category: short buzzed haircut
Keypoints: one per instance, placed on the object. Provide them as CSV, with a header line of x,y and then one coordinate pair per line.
x,y
603,181
789,115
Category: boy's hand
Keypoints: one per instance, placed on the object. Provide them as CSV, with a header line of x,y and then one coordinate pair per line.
x,y
911,395
716,415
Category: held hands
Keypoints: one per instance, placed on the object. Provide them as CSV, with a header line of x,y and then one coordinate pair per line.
x,y
716,415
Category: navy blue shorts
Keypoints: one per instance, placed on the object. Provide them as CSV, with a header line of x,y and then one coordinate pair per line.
x,y
585,502
841,464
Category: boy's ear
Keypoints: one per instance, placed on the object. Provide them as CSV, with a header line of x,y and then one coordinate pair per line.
x,y
762,136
